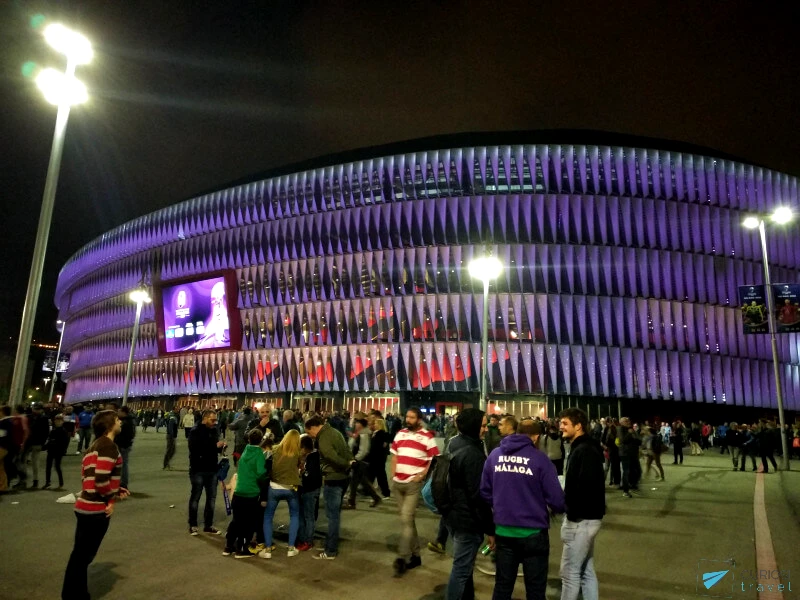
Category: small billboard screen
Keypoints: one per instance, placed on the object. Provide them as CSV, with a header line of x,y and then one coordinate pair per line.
x,y
196,316
50,361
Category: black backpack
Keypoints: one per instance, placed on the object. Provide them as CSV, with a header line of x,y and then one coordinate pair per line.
x,y
436,491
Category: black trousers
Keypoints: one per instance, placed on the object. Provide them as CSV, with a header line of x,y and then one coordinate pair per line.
x,y
245,522
54,459
768,454
89,533
678,452
170,450
378,472
533,552
359,477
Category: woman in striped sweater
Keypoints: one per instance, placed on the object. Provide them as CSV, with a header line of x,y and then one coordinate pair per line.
x,y
100,475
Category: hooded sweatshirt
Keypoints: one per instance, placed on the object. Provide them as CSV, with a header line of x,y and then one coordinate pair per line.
x,y
520,483
251,474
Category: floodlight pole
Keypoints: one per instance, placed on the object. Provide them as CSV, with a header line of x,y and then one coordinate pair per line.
x,y
55,366
775,364
40,248
134,336
485,345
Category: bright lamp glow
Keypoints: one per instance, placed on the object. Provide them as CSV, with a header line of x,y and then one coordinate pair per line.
x,y
139,296
59,89
485,268
751,222
70,43
782,215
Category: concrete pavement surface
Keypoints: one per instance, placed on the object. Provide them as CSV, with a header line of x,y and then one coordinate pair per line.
x,y
654,546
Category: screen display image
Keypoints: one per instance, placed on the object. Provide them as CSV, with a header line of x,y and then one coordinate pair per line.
x,y
196,315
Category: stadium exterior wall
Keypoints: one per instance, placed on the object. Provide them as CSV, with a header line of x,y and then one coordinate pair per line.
x,y
622,267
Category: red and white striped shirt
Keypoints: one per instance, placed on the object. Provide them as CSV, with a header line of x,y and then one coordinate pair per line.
x,y
100,475
414,451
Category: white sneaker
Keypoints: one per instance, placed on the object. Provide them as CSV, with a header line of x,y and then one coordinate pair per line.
x,y
323,556
292,551
266,553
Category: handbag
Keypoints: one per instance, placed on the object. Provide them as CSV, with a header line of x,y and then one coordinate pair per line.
x,y
796,442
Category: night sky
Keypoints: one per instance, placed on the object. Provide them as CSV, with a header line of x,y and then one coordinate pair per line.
x,y
185,99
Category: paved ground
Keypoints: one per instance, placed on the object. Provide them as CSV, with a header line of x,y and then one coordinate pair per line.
x,y
649,546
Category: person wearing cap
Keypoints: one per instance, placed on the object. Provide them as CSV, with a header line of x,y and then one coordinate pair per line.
x,y
584,487
522,486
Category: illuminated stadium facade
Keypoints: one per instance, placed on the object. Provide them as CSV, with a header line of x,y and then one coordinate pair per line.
x,y
622,260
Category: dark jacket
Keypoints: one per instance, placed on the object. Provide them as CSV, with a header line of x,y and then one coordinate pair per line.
x,y
203,451
734,438
273,426
57,441
125,437
469,512
629,442
39,428
173,424
312,474
378,448
584,478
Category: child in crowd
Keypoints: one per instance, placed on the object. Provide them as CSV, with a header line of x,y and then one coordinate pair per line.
x,y
266,449
310,485
251,477
56,446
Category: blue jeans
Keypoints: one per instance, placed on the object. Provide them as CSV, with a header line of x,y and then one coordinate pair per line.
x,y
465,549
308,516
533,552
276,496
126,457
333,495
202,482
577,559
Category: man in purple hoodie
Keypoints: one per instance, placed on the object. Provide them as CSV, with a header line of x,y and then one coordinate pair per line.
x,y
521,484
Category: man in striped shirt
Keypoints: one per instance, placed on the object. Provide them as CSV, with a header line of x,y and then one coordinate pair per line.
x,y
412,451
101,470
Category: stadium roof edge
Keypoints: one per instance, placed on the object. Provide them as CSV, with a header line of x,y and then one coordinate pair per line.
x,y
589,137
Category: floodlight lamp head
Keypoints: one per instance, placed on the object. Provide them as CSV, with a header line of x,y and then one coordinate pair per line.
x,y
485,268
751,222
140,295
781,215
71,44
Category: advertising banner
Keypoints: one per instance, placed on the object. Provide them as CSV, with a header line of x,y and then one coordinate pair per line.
x,y
787,307
754,309
50,361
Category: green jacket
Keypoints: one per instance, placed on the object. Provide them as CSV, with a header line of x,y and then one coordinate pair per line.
x,y
334,454
251,473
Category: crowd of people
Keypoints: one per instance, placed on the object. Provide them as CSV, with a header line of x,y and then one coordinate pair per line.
x,y
506,477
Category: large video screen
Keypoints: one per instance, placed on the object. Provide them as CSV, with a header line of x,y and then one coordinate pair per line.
x,y
196,316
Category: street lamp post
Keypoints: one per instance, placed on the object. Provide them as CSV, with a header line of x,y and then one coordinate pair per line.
x,y
780,216
140,296
485,269
63,325
63,90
